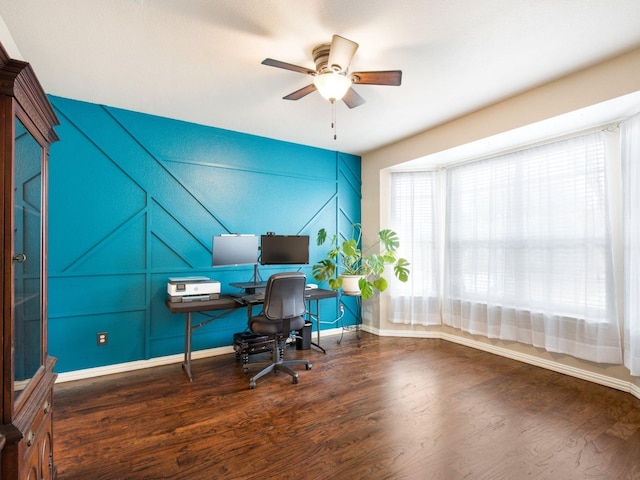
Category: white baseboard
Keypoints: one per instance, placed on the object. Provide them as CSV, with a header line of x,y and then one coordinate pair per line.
x,y
159,361
139,364
504,352
521,357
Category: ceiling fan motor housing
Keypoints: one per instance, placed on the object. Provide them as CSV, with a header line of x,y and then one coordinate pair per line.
x,y
321,58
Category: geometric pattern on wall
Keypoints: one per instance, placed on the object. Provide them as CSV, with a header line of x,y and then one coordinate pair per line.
x,y
348,213
349,186
173,247
135,199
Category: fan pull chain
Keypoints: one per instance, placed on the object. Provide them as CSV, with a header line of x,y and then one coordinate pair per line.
x,y
334,123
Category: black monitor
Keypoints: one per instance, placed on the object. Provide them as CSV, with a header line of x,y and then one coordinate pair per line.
x,y
284,249
234,249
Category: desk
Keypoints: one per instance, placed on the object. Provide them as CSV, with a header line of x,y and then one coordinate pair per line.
x,y
226,304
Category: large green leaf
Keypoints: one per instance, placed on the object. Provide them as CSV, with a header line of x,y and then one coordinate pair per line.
x,y
366,288
389,239
350,247
381,284
323,270
322,236
335,283
376,262
401,271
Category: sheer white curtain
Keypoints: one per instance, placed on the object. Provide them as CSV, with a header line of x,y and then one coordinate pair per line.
x,y
631,207
528,250
414,217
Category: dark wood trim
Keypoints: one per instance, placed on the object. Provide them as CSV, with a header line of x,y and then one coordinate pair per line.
x,y
27,419
18,80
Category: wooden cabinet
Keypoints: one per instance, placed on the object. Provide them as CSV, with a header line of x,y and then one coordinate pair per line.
x,y
26,132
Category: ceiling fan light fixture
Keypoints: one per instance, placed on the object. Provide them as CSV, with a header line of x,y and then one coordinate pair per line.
x,y
332,85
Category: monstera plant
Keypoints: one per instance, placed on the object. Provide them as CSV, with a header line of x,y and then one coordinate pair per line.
x,y
346,261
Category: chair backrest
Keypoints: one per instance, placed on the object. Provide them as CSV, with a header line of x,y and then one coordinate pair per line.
x,y
284,296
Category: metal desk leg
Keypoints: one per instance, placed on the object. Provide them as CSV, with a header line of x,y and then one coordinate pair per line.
x,y
317,345
311,315
186,365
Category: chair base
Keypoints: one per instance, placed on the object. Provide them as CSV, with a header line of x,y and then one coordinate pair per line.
x,y
276,365
279,367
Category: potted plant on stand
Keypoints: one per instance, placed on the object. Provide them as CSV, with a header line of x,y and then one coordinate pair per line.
x,y
360,272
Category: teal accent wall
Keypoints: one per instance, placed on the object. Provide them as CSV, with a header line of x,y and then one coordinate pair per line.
x,y
135,199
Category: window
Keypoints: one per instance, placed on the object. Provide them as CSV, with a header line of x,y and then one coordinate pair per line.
x,y
414,218
528,229
527,248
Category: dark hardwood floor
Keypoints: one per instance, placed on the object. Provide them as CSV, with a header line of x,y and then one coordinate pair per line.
x,y
393,409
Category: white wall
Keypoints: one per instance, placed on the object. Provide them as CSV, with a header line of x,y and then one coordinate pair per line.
x,y
609,80
7,41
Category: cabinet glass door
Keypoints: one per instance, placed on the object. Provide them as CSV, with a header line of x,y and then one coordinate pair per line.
x,y
27,257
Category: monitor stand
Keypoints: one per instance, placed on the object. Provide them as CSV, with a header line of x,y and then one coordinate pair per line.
x,y
255,285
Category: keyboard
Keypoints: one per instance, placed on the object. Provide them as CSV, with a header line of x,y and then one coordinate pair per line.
x,y
254,298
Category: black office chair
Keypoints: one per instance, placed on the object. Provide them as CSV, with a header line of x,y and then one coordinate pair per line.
x,y
282,313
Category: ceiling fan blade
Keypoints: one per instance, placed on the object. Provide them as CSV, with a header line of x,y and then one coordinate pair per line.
x,y
287,66
298,94
387,77
352,99
341,53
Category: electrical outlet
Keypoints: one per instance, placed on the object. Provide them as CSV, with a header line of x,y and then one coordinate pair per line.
x,y
102,338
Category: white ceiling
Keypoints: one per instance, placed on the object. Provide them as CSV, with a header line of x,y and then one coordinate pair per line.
x,y
199,60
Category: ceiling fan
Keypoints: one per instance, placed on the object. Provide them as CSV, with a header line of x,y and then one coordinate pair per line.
x,y
332,78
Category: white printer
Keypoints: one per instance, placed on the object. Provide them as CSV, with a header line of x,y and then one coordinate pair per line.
x,y
192,289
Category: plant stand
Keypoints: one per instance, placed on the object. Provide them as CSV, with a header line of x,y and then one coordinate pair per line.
x,y
353,328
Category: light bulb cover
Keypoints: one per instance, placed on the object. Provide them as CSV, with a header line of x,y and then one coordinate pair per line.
x,y
332,85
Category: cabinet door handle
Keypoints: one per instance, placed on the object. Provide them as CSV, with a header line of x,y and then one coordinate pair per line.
x,y
20,258
47,406
30,438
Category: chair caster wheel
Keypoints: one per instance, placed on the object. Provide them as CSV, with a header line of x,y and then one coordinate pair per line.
x,y
252,385
295,379
308,366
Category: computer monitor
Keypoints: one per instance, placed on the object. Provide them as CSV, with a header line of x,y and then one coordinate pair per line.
x,y
284,249
234,249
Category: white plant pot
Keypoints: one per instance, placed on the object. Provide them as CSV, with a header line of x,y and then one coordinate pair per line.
x,y
350,284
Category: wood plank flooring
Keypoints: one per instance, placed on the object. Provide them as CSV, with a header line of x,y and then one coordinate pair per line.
x,y
394,408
